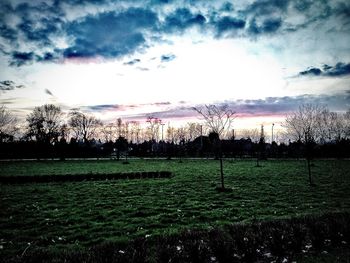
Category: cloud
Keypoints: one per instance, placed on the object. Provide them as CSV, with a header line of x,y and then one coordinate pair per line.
x,y
48,92
311,71
167,58
41,35
7,85
227,7
163,103
8,33
22,58
169,114
284,105
143,69
266,27
36,22
269,106
52,31
132,62
228,23
103,107
267,7
339,70
110,34
181,19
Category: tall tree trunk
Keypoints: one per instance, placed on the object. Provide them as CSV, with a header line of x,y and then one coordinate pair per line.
x,y
309,169
222,173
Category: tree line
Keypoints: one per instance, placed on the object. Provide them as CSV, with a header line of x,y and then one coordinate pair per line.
x,y
49,133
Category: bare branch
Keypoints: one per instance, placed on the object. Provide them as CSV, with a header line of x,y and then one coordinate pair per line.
x,y
218,119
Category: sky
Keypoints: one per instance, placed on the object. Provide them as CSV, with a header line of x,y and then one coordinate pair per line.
x,y
161,58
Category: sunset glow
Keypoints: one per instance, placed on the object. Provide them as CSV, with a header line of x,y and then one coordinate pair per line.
x,y
133,60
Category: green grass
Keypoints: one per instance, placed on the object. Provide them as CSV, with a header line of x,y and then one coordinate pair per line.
x,y
82,214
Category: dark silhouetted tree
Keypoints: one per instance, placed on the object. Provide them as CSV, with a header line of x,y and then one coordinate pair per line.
x,y
44,123
83,125
260,147
303,125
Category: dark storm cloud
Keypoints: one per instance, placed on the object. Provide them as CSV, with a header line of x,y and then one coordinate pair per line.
x,y
339,70
182,19
129,28
110,34
7,85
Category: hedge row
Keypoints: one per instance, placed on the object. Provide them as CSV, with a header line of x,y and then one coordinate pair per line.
x,y
273,241
82,177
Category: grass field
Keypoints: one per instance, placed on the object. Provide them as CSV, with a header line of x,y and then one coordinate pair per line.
x,y
82,214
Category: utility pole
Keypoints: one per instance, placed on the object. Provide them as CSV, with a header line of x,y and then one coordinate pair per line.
x,y
272,133
201,137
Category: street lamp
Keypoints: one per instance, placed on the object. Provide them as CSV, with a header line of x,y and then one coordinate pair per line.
x,y
272,133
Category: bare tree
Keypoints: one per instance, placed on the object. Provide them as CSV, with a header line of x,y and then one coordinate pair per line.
x,y
84,126
171,134
303,125
218,119
346,119
108,131
252,134
7,124
331,126
153,128
44,123
193,130
135,131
